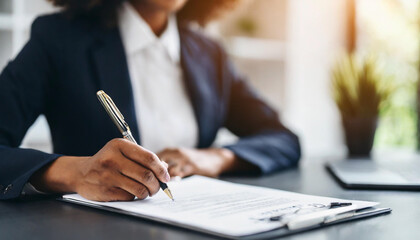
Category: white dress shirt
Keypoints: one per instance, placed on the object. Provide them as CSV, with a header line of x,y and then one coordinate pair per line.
x,y
164,112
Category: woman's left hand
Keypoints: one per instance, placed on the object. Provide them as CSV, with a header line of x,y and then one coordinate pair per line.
x,y
209,162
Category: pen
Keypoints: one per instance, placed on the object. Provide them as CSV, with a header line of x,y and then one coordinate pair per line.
x,y
319,218
116,116
329,206
339,204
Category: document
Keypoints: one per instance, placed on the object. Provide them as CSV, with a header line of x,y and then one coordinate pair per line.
x,y
226,209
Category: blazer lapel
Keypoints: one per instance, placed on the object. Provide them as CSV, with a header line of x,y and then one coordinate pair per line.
x,y
201,86
112,71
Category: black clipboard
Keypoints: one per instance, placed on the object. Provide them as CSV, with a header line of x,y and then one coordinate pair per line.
x,y
363,213
275,233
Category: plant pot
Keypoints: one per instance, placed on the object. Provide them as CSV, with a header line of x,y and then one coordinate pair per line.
x,y
359,133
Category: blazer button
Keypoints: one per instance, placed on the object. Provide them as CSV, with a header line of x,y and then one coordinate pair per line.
x,y
8,188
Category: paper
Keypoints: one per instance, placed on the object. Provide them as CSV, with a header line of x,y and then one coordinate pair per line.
x,y
223,208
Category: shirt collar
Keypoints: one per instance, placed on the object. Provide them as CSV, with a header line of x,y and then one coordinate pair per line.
x,y
136,34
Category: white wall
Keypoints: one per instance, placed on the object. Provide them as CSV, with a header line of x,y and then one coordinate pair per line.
x,y
316,36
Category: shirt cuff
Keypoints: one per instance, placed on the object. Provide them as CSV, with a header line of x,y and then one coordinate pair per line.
x,y
28,189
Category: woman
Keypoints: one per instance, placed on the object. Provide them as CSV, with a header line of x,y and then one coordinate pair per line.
x,y
175,87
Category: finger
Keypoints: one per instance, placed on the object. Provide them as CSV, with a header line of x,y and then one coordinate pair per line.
x,y
144,157
166,151
111,194
171,163
175,162
176,171
163,161
169,158
141,175
133,187
182,170
187,170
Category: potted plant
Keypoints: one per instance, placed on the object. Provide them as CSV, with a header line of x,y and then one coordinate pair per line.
x,y
359,90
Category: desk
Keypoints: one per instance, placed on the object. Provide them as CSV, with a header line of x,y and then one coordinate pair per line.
x,y
46,218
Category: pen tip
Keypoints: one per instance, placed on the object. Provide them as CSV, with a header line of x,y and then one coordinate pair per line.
x,y
168,192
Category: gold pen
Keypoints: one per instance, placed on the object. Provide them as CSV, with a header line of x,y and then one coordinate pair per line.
x,y
116,116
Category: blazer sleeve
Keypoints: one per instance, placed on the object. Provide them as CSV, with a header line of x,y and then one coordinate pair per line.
x,y
24,86
263,140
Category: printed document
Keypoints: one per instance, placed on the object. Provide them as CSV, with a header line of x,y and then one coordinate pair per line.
x,y
223,208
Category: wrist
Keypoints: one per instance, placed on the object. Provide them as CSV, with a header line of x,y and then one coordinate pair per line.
x,y
231,163
61,176
228,159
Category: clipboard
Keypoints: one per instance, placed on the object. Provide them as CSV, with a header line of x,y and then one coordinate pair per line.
x,y
360,214
275,233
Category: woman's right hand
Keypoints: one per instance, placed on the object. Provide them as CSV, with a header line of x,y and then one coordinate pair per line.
x,y
120,171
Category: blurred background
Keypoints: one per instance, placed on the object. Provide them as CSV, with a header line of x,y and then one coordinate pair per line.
x,y
287,49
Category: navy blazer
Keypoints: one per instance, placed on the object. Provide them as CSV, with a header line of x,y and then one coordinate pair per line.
x,y
66,61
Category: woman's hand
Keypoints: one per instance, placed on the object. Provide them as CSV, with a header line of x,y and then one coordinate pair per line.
x,y
120,171
207,162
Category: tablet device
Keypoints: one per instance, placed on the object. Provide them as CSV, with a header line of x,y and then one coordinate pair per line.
x,y
369,174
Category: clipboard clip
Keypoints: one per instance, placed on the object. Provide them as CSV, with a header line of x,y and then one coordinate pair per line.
x,y
313,220
309,208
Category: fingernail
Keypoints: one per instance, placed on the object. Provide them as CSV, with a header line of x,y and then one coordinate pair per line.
x,y
167,177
